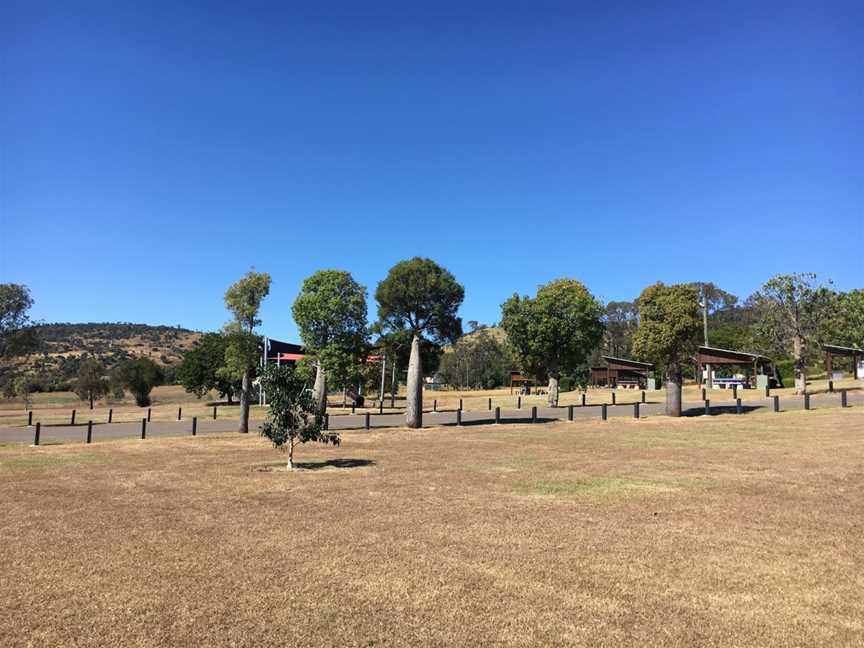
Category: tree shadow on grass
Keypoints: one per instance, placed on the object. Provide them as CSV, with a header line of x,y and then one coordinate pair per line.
x,y
317,465
716,410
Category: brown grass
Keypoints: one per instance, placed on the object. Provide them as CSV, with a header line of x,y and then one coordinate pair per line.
x,y
710,532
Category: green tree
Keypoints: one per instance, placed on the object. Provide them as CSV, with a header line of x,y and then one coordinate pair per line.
x,y
622,320
139,376
293,417
419,298
670,325
23,387
244,299
330,313
91,382
791,311
555,331
477,361
845,323
17,336
203,368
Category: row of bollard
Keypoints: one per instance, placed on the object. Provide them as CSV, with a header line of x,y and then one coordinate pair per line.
x,y
73,416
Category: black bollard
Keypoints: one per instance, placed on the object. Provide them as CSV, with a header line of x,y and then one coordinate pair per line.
x,y
636,410
459,416
435,405
583,399
148,414
643,395
179,413
214,412
735,391
613,397
73,418
776,403
569,412
143,428
707,407
737,405
831,386
460,403
89,431
767,392
518,402
36,436
534,414
806,401
367,422
843,398
704,394
110,414
29,418
194,425
490,404
603,412
497,415
353,407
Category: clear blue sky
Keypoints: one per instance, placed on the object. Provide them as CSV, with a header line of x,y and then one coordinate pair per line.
x,y
152,153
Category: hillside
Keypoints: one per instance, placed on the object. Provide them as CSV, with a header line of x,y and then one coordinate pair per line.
x,y
63,345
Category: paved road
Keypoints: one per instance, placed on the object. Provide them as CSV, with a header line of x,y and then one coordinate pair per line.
x,y
107,431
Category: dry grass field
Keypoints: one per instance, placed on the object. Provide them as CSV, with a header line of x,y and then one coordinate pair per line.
x,y
728,531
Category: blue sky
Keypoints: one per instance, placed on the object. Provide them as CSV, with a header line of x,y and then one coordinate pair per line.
x,y
151,153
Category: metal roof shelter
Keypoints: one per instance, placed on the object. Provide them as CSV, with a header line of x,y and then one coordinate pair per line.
x,y
620,370
832,350
716,357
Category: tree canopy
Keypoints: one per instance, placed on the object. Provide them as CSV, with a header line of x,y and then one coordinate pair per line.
x,y
555,331
91,383
204,368
477,361
244,298
139,376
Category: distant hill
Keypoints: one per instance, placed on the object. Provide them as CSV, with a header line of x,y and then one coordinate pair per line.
x,y
62,346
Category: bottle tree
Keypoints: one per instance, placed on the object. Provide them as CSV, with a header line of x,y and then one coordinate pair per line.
x,y
419,298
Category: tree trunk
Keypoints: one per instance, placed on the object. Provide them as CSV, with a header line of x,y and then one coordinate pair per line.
x,y
319,392
414,398
800,377
552,396
91,400
230,396
244,402
673,394
290,454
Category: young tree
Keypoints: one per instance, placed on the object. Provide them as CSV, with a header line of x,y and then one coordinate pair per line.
x,y
293,417
330,312
91,383
791,311
202,368
420,298
23,387
670,325
139,376
555,332
244,299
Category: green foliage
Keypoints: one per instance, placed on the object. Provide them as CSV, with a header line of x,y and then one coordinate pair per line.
x,y
420,297
139,376
844,324
91,383
241,354
23,387
670,327
16,338
477,361
791,312
556,331
244,298
330,313
201,369
622,320
292,417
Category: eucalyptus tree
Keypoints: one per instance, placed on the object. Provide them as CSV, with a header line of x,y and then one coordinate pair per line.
x,y
669,328
554,332
419,298
792,309
244,299
91,382
330,313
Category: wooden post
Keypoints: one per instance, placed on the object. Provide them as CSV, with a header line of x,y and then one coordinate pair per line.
x,y
583,399
776,403
738,406
842,398
707,407
73,418
643,395
806,401
367,422
569,412
148,414
613,396
534,414
460,403
497,415
36,436
179,413
603,412
459,416
89,431
29,418
490,404
194,425
110,414
434,404
636,410
518,402
143,428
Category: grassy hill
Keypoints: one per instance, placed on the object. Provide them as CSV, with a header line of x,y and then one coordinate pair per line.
x,y
62,346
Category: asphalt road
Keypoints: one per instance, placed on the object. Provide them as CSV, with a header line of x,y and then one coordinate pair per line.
x,y
108,431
